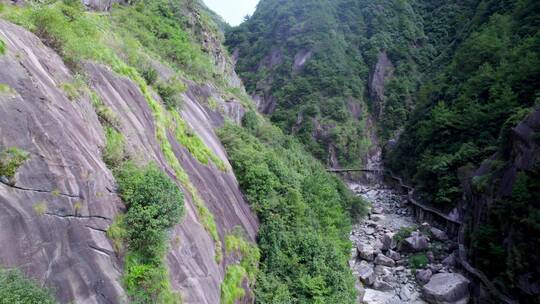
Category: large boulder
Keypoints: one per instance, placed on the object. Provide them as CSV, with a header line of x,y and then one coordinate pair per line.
x,y
423,276
388,241
382,285
382,271
384,260
438,234
415,243
393,255
373,296
447,288
377,217
449,261
365,252
365,273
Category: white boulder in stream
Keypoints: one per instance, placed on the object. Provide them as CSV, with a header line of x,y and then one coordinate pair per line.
x,y
446,288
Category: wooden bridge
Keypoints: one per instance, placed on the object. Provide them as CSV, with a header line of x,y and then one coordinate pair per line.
x,y
335,170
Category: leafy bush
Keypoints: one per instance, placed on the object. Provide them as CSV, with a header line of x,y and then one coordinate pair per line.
x,y
235,275
10,161
154,201
2,47
117,233
418,260
250,121
231,288
149,74
170,93
155,204
113,153
14,288
403,233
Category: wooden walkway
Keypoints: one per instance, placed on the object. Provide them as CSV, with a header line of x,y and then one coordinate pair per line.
x,y
452,224
354,170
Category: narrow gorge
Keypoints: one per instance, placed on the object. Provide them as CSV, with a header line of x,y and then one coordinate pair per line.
x,y
316,151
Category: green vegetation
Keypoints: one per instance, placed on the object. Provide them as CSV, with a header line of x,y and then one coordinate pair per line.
x,y
75,88
11,159
113,153
159,27
231,287
330,92
304,214
2,47
467,108
105,114
155,205
117,232
403,233
6,89
170,93
14,288
187,138
418,261
40,208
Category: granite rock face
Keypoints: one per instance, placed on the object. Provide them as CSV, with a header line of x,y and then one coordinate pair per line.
x,y
56,215
64,200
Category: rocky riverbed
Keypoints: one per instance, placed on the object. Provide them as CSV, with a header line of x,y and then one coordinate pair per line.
x,y
398,260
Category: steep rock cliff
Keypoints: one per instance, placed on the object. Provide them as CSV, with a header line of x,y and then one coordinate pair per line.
x,y
64,199
500,210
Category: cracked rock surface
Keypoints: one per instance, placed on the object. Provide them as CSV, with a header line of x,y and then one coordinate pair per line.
x,y
56,215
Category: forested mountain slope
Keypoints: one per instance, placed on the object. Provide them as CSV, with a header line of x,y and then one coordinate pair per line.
x,y
317,66
468,112
447,83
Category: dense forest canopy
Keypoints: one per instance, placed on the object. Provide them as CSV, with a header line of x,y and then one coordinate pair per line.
x,y
459,76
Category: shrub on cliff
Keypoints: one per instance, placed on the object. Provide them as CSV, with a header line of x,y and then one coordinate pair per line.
x,y
154,201
155,205
10,161
14,288
2,47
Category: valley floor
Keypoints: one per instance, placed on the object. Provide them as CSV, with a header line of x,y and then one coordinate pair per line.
x,y
393,255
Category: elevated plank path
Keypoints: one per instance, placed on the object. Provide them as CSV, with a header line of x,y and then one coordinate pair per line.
x,y
455,226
